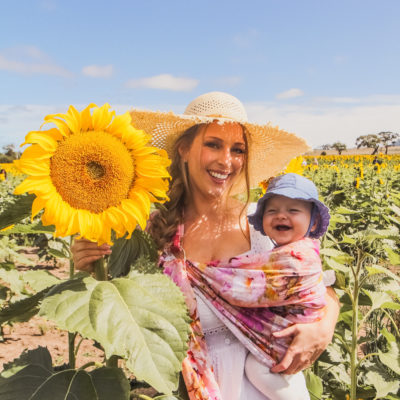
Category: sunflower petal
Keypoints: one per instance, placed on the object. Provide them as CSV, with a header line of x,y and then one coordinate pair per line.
x,y
44,140
37,205
73,120
102,117
86,118
33,184
57,120
33,168
35,151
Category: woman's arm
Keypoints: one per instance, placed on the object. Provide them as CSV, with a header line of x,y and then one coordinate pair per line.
x,y
309,340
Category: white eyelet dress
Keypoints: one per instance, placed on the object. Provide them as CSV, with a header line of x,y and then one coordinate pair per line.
x,y
227,354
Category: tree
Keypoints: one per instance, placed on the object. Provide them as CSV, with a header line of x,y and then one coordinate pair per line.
x,y
339,146
9,154
326,146
388,139
371,141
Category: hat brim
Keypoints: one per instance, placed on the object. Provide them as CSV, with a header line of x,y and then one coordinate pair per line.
x,y
270,148
323,211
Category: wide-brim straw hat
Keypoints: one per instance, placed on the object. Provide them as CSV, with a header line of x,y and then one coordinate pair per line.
x,y
270,148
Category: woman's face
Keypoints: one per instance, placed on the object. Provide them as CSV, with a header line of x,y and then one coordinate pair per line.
x,y
215,159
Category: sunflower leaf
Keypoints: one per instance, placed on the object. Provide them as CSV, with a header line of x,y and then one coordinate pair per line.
x,y
22,310
17,210
143,319
29,228
35,382
125,252
40,356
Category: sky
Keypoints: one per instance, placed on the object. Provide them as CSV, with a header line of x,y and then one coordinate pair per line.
x,y
326,70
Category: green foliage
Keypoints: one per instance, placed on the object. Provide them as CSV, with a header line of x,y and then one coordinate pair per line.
x,y
361,244
125,253
142,319
16,210
31,377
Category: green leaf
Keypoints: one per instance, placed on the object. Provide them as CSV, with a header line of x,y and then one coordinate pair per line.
x,y
381,300
16,211
110,383
24,383
344,210
14,279
337,218
143,319
39,280
394,257
22,310
335,265
314,385
57,253
126,251
340,373
391,358
29,228
382,383
40,356
377,269
395,209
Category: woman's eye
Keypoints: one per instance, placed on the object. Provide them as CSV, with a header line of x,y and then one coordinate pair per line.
x,y
238,150
213,145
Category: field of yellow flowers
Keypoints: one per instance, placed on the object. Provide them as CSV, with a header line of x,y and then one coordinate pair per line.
x,y
361,246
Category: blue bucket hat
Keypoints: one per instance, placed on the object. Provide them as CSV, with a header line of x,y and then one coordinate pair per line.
x,y
294,186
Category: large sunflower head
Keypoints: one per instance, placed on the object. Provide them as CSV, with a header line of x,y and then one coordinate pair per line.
x,y
93,173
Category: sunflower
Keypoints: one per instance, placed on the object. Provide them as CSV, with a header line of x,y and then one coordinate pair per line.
x,y
12,168
93,173
295,165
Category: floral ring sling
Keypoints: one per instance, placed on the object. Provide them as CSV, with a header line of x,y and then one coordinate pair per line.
x,y
253,295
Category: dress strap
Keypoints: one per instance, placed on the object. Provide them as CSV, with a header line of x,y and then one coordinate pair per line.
x,y
176,245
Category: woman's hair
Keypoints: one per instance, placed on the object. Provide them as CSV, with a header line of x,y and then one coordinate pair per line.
x,y
165,221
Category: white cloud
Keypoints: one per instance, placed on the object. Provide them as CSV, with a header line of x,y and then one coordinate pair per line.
x,y
98,71
164,82
228,81
290,94
321,124
30,60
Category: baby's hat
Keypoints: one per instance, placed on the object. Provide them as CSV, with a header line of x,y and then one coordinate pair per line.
x,y
293,186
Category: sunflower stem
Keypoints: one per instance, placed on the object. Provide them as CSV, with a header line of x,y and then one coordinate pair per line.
x,y
100,270
71,335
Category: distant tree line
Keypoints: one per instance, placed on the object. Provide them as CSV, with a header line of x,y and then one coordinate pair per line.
x,y
9,154
373,141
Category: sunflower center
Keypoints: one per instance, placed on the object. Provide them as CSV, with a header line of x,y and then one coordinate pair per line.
x,y
95,170
92,170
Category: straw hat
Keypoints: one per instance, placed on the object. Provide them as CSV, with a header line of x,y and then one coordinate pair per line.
x,y
270,148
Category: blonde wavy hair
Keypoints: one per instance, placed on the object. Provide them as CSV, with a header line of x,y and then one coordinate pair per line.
x,y
164,222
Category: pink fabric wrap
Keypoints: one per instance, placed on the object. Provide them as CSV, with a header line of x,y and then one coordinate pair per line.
x,y
254,295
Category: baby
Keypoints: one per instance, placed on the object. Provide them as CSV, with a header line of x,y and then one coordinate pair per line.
x,y
289,211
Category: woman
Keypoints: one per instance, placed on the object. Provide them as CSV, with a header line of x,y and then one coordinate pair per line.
x,y
216,153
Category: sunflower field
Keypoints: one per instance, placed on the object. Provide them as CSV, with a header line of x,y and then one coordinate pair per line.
x,y
361,246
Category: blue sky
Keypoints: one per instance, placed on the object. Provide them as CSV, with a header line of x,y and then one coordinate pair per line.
x,y
326,70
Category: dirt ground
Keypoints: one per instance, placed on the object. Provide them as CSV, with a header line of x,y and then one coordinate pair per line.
x,y
39,332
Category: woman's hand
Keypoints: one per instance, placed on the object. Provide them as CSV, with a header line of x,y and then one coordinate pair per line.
x,y
309,340
85,253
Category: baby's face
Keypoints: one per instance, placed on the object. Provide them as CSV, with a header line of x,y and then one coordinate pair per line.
x,y
286,220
